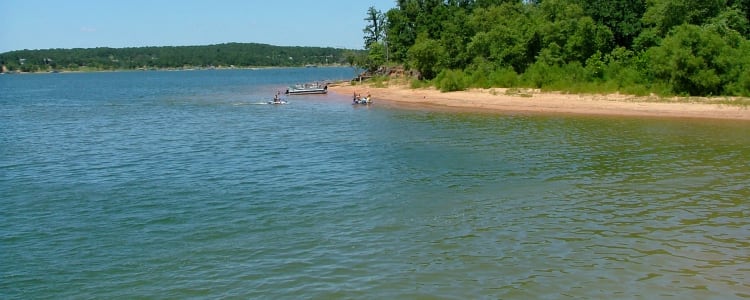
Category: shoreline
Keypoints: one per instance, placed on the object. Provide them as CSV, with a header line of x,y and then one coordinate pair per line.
x,y
219,68
503,100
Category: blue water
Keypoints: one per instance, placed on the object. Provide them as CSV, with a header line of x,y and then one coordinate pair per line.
x,y
185,185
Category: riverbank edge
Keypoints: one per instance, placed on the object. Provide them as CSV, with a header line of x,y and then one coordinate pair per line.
x,y
504,100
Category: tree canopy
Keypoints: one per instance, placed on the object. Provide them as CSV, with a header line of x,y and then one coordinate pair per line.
x,y
683,47
221,55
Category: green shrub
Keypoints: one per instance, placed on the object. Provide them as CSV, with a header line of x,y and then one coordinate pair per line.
x,y
694,60
418,84
452,80
538,75
480,79
504,77
378,81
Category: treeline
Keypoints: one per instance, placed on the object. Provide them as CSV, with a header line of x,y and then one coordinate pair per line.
x,y
668,47
222,55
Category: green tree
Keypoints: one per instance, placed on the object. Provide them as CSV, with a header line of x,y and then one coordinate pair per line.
x,y
375,28
171,57
743,8
623,17
667,14
506,35
376,57
697,61
733,18
400,34
454,38
426,56
633,45
566,25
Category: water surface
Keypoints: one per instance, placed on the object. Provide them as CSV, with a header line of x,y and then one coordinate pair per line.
x,y
183,184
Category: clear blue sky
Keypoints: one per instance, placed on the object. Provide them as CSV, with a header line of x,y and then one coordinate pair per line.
x,y
44,24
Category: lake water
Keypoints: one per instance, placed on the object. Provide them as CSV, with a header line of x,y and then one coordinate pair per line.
x,y
182,185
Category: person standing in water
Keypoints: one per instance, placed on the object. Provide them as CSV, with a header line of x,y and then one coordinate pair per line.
x,y
277,97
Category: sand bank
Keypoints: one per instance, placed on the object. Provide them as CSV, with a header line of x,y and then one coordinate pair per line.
x,y
534,101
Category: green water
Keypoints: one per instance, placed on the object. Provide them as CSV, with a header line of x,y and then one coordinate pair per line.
x,y
181,185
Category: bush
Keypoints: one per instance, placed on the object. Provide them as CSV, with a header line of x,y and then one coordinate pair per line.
x,y
538,75
693,60
479,72
740,87
418,84
504,77
452,80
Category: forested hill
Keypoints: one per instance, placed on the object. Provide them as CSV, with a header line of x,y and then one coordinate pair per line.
x,y
695,47
221,55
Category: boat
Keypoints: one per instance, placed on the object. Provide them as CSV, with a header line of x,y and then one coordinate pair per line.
x,y
307,89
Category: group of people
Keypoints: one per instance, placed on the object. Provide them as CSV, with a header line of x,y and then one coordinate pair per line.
x,y
358,99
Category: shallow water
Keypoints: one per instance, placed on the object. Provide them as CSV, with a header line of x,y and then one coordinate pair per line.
x,y
182,184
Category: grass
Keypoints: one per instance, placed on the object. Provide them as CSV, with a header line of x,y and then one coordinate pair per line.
x,y
517,92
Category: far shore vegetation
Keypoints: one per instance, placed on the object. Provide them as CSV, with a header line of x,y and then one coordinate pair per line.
x,y
639,47
231,55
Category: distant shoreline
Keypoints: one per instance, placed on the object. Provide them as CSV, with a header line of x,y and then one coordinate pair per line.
x,y
534,101
171,69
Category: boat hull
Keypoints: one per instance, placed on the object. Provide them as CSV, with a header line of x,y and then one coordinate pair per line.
x,y
307,89
307,92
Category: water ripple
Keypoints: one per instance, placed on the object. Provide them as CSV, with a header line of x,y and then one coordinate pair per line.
x,y
178,192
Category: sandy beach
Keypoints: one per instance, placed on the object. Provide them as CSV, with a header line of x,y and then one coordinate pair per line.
x,y
534,101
